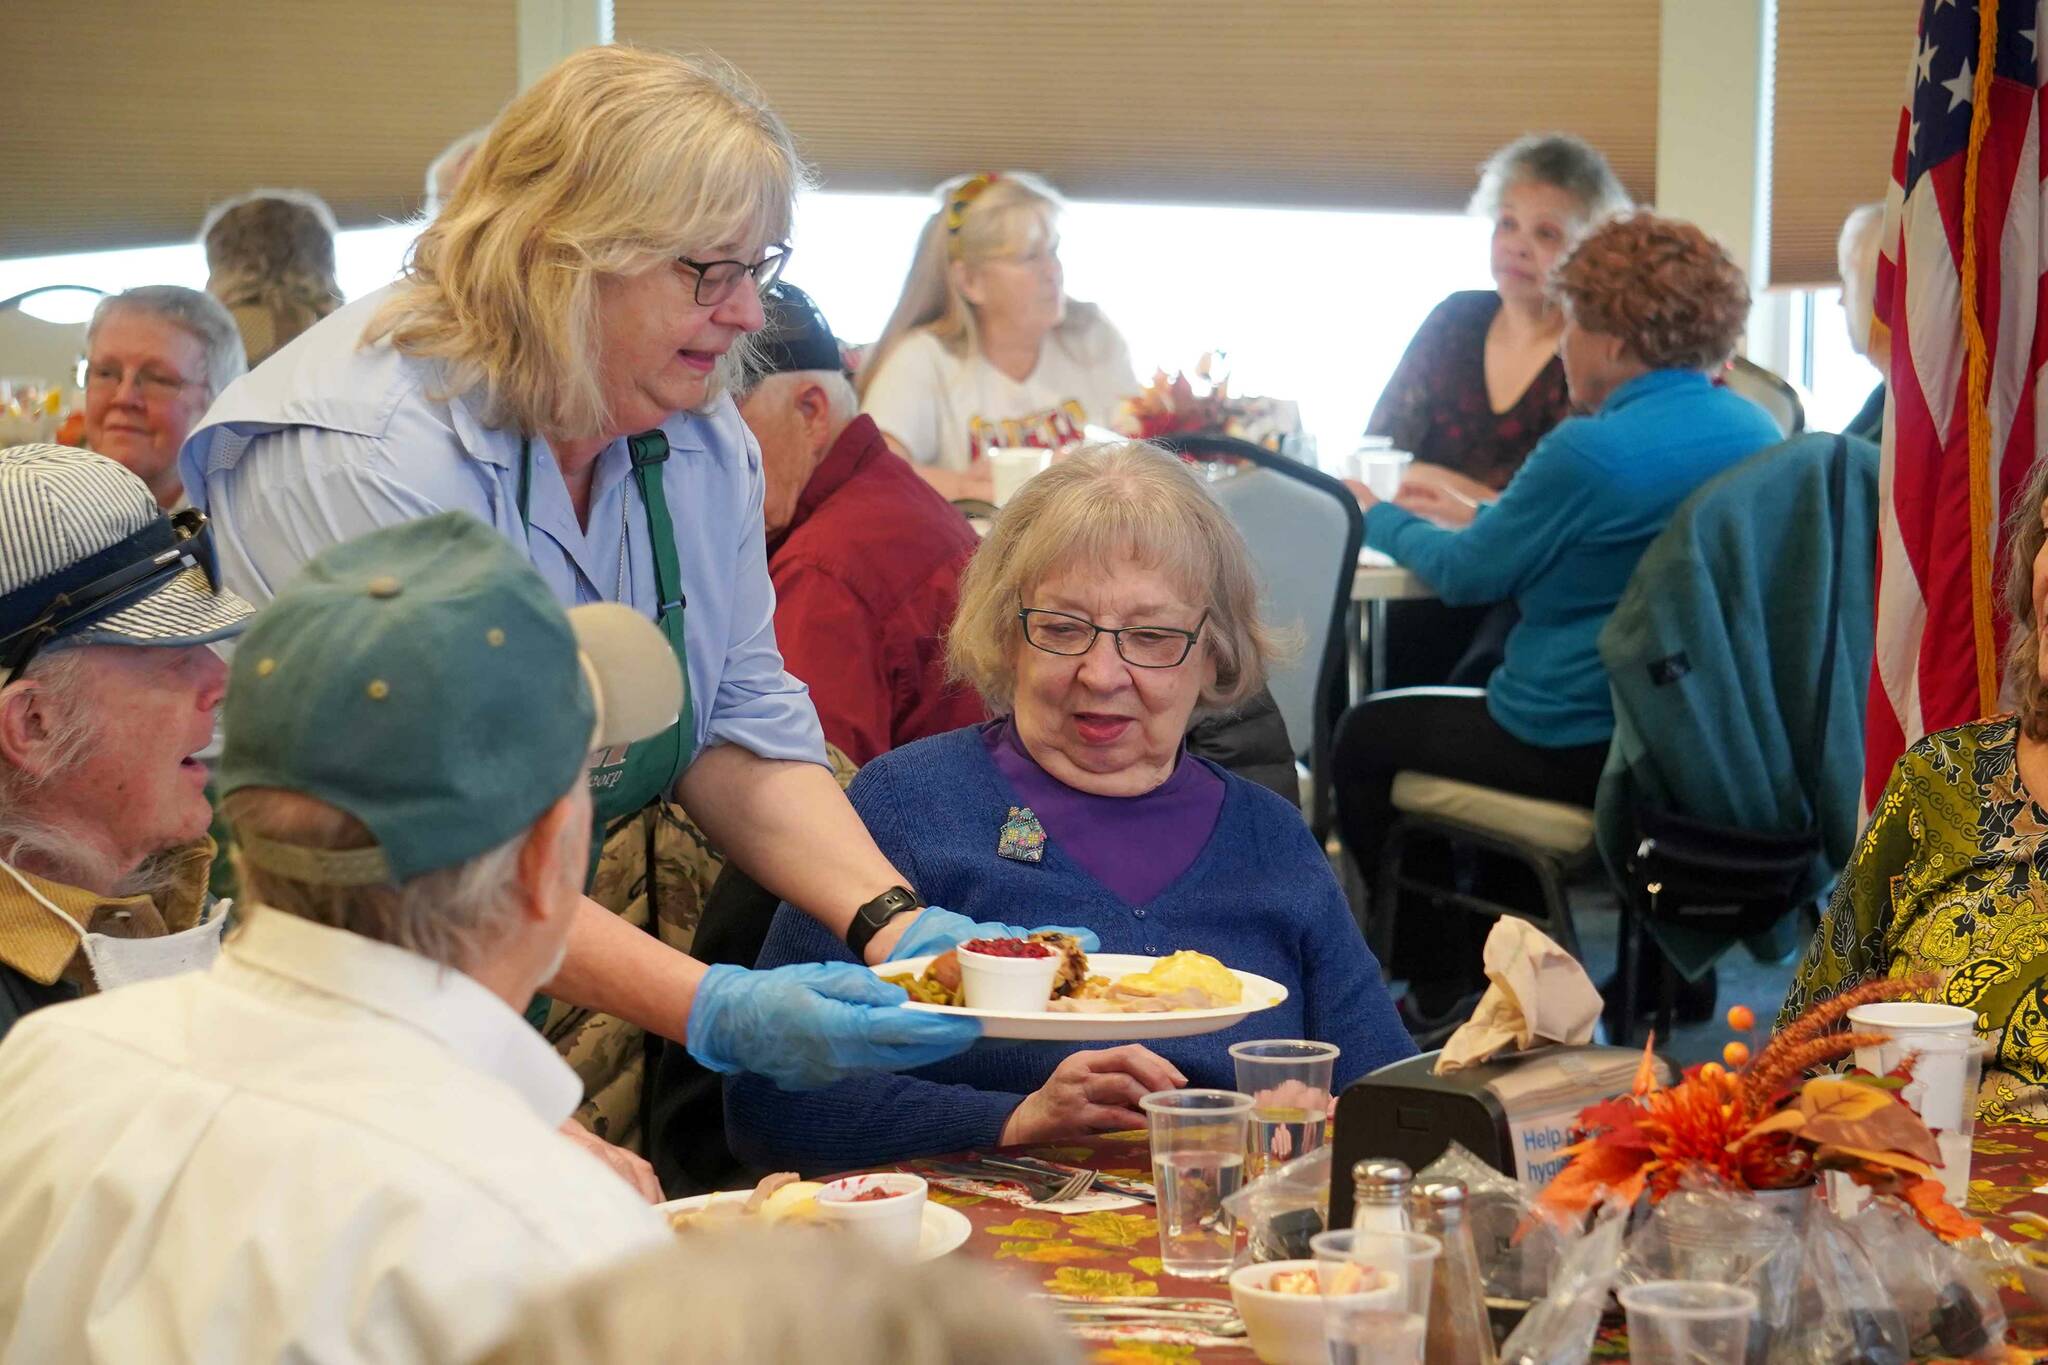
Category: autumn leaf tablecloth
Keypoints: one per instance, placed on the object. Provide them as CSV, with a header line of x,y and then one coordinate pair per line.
x,y
1106,1254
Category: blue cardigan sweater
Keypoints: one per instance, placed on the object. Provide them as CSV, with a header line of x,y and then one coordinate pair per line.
x,y
1565,536
1260,896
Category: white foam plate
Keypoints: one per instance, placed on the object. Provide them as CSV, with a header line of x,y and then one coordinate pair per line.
x,y
1048,1026
944,1229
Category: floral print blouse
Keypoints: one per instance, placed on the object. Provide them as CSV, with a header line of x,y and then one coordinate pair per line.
x,y
1436,406
1944,880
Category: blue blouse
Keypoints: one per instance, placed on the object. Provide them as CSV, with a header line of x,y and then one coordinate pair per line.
x,y
329,439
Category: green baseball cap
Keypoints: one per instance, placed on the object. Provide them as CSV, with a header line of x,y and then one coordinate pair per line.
x,y
423,679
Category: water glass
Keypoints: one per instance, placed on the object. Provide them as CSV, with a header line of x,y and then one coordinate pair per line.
x,y
1687,1322
1375,1288
1289,1082
1198,1139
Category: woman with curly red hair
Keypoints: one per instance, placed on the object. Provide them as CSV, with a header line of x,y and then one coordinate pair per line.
x,y
1651,306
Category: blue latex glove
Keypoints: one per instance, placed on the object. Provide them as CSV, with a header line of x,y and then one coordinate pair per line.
x,y
936,930
815,1023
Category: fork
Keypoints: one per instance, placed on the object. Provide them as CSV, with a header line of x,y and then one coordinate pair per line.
x,y
1043,1187
1077,1185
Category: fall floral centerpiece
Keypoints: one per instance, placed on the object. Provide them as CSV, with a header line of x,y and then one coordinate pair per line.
x,y
1763,1123
1202,403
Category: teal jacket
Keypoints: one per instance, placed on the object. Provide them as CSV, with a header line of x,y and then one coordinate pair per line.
x,y
1716,651
1566,534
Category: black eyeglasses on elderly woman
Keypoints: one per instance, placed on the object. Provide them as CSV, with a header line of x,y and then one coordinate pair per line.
x,y
717,279
1058,632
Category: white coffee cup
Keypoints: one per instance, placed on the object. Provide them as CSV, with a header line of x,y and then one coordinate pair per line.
x,y
1014,466
1378,466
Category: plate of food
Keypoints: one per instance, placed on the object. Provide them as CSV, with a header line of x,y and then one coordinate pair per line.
x,y
1045,987
782,1198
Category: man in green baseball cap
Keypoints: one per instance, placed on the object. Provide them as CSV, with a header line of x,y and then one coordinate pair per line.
x,y
342,1138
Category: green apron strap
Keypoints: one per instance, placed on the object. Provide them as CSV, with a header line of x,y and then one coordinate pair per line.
x,y
650,452
525,481
646,771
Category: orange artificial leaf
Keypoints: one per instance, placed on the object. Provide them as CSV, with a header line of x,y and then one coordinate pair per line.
x,y
1618,1173
1930,1201
1836,1155
1852,1115
1843,1101
1786,1120
1646,1072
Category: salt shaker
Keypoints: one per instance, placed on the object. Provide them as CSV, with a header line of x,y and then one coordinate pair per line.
x,y
1460,1333
1379,1195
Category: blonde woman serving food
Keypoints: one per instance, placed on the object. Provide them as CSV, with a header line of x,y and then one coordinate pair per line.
x,y
985,349
556,361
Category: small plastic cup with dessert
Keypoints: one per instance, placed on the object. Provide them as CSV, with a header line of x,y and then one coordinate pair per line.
x,y
1010,984
886,1209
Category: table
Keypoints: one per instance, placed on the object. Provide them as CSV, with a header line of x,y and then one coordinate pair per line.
x,y
1379,580
1116,1253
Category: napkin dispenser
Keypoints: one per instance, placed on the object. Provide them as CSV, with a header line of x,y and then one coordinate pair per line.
x,y
1515,1112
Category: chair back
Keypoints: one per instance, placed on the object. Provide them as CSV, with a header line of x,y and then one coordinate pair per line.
x,y
1738,657
1767,391
1303,529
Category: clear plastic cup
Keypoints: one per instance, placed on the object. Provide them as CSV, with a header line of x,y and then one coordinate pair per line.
x,y
1687,1322
1375,1288
1198,1139
1904,1022
1947,1069
1011,467
1289,1082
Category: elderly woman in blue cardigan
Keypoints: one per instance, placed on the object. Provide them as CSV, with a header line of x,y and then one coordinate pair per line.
x,y
1652,308
1111,603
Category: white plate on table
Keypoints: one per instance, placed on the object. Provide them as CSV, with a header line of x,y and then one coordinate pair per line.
x,y
943,1231
1259,994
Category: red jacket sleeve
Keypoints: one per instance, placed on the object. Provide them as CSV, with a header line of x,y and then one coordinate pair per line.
x,y
833,643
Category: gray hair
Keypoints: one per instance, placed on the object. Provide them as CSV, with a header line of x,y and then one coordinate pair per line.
x,y
75,729
202,315
1858,242
724,1295
444,173
838,389
1093,508
452,915
1559,160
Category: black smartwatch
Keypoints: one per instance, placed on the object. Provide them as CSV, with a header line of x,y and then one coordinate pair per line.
x,y
869,919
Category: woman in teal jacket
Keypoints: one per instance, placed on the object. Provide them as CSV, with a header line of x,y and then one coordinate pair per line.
x,y
1652,307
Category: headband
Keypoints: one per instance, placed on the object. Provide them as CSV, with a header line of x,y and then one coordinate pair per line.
x,y
956,207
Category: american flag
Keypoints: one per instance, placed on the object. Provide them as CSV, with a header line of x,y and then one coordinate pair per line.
x,y
1959,290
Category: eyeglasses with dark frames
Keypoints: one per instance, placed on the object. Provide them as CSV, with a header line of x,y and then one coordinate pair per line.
x,y
1059,632
716,280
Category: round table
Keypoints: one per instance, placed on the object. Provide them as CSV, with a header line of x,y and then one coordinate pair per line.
x,y
1114,1255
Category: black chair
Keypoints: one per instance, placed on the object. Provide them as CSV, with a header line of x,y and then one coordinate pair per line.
x,y
1729,884
1303,529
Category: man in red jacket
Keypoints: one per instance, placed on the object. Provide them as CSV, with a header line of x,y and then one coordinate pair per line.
x,y
865,557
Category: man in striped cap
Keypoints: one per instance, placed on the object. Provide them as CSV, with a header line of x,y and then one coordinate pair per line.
x,y
108,689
